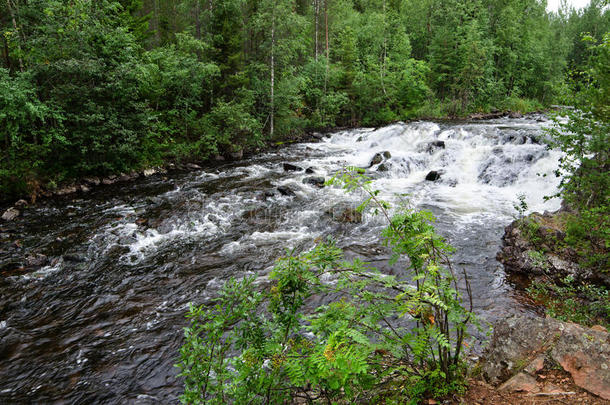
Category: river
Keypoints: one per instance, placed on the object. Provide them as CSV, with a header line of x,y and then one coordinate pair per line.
x,y
102,323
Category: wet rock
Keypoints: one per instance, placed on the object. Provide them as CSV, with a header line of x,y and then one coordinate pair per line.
x,y
583,352
289,167
36,260
124,177
92,181
515,114
149,172
380,157
269,193
66,190
21,204
345,213
520,383
10,214
433,176
382,168
108,181
317,135
286,190
314,181
84,188
75,257
142,221
435,145
193,166
360,139
310,170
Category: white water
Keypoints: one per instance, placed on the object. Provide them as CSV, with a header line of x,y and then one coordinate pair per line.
x,y
124,262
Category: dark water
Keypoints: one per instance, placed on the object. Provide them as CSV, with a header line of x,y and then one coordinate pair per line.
x,y
102,323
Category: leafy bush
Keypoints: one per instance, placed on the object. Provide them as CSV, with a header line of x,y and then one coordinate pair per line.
x,y
585,166
383,337
587,304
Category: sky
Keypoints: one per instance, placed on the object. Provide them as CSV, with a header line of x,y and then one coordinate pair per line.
x,y
553,5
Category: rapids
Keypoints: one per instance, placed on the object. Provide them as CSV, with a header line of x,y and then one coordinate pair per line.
x,y
103,322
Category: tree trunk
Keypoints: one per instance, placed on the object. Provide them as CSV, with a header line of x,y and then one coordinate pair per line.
x,y
6,54
316,12
198,21
272,90
10,10
327,48
384,53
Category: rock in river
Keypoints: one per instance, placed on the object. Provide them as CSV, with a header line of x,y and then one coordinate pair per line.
x,y
433,176
10,214
314,181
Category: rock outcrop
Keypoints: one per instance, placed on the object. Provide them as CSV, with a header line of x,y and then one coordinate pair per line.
x,y
534,247
521,347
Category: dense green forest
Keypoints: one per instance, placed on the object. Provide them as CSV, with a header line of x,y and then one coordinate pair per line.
x,y
100,86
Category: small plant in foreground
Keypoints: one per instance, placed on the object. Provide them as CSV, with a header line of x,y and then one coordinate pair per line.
x,y
384,338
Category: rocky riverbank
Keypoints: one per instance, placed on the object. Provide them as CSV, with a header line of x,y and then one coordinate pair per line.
x,y
523,350
535,247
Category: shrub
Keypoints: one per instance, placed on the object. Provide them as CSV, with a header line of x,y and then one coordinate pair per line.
x,y
384,337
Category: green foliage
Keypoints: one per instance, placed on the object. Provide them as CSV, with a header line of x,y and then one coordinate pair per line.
x,y
266,347
585,166
586,304
129,83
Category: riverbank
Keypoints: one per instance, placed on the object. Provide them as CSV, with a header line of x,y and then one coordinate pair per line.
x,y
41,189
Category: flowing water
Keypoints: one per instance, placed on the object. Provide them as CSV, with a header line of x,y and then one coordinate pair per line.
x,y
103,322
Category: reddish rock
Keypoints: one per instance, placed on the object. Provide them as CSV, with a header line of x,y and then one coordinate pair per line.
x,y
520,383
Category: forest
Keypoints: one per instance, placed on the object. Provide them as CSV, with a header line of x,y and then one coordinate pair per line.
x,y
98,87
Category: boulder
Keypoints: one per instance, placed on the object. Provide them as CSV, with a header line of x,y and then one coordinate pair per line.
x,y
84,188
434,145
36,260
193,166
149,172
286,190
92,181
522,256
379,157
66,190
237,155
289,167
382,168
314,181
520,383
10,214
21,204
310,170
75,257
343,212
433,176
108,181
521,345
